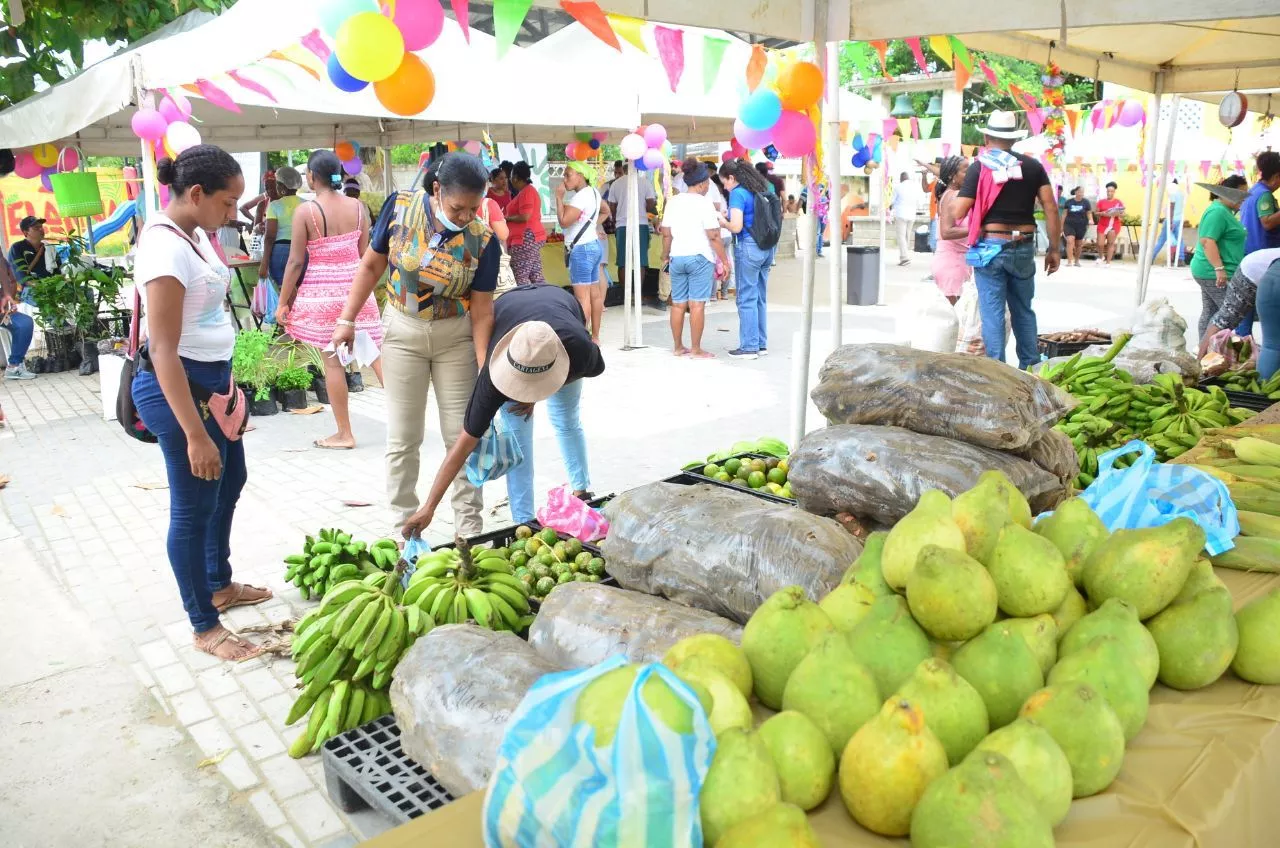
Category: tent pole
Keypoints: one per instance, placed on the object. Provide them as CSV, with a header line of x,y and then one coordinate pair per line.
x,y
882,174
799,403
388,182
832,143
1164,182
1145,242
638,214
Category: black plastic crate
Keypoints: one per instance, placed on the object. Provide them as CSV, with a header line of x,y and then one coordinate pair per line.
x,y
367,768
1053,349
1244,400
696,473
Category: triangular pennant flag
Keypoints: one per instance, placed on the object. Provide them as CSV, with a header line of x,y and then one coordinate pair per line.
x,y
1204,168
961,53
462,12
890,126
946,149
1073,118
989,74
508,17
915,127
927,126
629,28
250,85
962,77
590,15
264,68
918,52
755,66
276,54
670,43
216,96
904,127
863,60
1111,164
967,149
893,143
712,56
882,50
315,42
942,47
844,131
1035,120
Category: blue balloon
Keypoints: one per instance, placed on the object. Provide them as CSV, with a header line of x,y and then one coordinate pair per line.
x,y
761,110
334,13
594,143
858,143
640,165
861,158
877,155
340,78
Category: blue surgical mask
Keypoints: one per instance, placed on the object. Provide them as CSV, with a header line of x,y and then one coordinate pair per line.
x,y
444,219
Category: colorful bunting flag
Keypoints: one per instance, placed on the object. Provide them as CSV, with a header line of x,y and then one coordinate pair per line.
x,y
904,127
508,17
882,50
712,55
927,126
590,15
462,11
1035,120
264,68
890,126
670,43
915,127
315,42
215,95
967,149
992,79
280,56
946,149
961,53
942,47
962,76
630,29
755,66
918,52
250,85
1111,164
1073,118
1204,168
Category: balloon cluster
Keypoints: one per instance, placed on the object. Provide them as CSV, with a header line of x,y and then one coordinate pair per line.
x,y
586,145
43,161
377,47
867,151
1122,113
348,152
167,126
647,147
778,115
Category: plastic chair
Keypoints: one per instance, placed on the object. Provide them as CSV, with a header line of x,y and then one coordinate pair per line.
x,y
6,343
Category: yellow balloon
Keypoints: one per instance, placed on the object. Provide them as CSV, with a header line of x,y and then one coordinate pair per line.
x,y
369,46
46,155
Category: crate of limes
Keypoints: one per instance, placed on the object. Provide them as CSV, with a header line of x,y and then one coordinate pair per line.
x,y
759,474
544,559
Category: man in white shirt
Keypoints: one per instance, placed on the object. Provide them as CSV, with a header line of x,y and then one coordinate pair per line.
x,y
903,208
619,208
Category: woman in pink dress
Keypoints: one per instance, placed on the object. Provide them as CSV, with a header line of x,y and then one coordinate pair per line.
x,y
330,235
950,271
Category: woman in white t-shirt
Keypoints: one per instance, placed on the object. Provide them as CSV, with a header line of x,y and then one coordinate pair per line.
x,y
578,220
189,342
692,246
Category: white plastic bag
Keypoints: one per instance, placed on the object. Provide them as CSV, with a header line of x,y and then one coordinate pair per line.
x,y
933,323
1158,326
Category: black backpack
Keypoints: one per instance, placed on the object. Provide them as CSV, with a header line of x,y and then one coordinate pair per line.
x,y
766,226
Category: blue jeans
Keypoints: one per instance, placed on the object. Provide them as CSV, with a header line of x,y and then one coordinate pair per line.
x,y
822,228
1268,309
21,329
692,278
933,235
1163,233
563,409
276,264
752,268
200,511
1009,279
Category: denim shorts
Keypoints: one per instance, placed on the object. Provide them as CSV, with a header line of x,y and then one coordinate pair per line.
x,y
692,279
584,262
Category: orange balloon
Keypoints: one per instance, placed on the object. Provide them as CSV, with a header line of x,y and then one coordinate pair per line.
x,y
345,151
800,86
410,89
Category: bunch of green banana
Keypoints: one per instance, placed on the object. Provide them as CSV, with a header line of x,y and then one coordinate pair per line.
x,y
339,707
455,585
1092,435
335,557
1251,381
1078,373
1172,418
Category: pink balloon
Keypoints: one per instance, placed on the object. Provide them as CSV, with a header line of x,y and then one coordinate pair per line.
x,y
1131,113
752,139
600,136
728,156
25,166
653,159
175,106
70,159
794,134
633,146
655,135
149,124
419,21
472,147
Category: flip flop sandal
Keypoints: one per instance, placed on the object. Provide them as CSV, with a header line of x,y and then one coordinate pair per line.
x,y
317,443
238,599
227,634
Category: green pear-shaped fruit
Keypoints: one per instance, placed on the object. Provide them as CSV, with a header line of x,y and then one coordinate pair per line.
x,y
777,636
1200,577
930,523
1197,639
741,782
802,756
1119,619
981,513
1086,729
1145,567
1072,609
1108,666
889,643
722,654
983,801
950,594
1003,670
1040,634
866,568
1029,572
847,604
887,766
1040,763
1019,509
780,825
952,708
600,703
728,706
833,690
1258,655
1076,530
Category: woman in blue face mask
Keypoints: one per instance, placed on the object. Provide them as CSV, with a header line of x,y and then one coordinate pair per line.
x,y
443,264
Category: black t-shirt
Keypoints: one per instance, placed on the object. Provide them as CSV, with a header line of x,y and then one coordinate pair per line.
x,y
22,255
1077,210
550,304
1016,203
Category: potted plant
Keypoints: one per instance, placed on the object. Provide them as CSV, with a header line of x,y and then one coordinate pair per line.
x,y
69,306
355,381
291,386
254,370
318,384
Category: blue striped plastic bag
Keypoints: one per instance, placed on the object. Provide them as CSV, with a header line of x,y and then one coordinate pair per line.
x,y
497,453
553,787
1149,494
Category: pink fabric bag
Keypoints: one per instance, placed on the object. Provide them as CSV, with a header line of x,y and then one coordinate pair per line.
x,y
566,513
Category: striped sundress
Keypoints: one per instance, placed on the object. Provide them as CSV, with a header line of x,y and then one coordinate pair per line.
x,y
331,266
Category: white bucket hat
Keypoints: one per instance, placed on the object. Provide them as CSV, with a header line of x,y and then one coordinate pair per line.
x,y
529,364
1003,125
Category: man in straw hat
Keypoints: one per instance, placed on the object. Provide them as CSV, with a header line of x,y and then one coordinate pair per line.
x,y
1001,189
542,351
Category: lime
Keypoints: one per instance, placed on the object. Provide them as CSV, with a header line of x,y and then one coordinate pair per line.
x,y
540,570
772,488
777,475
548,536
710,470
561,552
732,465
786,492
782,463
566,577
528,580
572,547
724,476
533,546
744,471
771,463
582,578
758,465
544,585
755,479
738,481
523,532
546,557
519,558
583,558
596,566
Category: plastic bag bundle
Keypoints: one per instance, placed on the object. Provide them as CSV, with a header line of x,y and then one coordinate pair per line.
x,y
880,472
1158,326
454,692
979,401
933,322
1054,453
581,624
499,451
569,514
719,550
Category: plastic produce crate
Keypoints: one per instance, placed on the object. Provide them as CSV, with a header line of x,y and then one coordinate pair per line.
x,y
696,473
1244,400
1053,349
367,768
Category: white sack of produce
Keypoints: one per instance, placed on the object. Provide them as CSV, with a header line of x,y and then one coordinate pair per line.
x,y
879,473
581,624
453,694
719,550
973,399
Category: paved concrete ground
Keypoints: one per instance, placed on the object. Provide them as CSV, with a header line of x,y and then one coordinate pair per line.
x,y
90,618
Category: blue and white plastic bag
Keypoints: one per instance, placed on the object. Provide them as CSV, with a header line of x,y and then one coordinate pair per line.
x,y
498,452
552,786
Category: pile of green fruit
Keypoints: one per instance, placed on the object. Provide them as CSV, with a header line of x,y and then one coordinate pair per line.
x,y
335,557
346,650
460,584
542,561
1251,381
768,475
767,445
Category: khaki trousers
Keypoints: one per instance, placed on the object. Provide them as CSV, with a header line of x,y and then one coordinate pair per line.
x,y
416,355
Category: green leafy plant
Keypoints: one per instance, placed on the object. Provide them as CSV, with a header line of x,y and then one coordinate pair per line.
x,y
293,378
251,362
74,297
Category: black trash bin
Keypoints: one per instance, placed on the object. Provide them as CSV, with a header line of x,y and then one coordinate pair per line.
x,y
922,239
862,279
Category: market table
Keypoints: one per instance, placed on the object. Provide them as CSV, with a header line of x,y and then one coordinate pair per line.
x,y
553,258
1203,773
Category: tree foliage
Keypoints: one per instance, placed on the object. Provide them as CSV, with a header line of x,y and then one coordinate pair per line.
x,y
49,45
